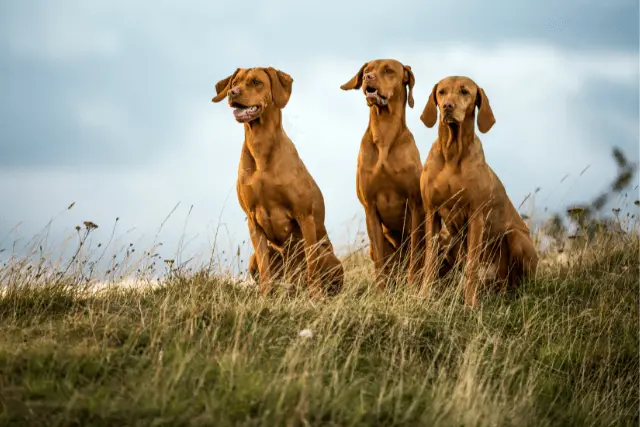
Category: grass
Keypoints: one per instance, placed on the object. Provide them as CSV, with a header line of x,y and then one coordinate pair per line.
x,y
200,350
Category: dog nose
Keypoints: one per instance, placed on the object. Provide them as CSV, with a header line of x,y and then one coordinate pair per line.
x,y
448,105
370,76
234,91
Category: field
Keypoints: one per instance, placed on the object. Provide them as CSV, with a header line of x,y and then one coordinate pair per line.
x,y
204,350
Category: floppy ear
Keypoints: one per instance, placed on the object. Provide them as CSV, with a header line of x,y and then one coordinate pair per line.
x,y
409,80
281,86
356,81
223,86
429,115
485,115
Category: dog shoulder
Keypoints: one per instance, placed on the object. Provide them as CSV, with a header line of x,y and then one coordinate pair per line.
x,y
435,151
478,149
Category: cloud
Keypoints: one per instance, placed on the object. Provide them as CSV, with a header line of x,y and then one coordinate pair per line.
x,y
548,125
56,33
146,60
284,27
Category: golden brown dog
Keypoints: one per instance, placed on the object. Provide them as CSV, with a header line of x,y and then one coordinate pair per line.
x,y
389,167
284,206
461,191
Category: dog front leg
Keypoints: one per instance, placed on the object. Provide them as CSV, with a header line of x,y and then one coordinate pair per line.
x,y
431,253
523,260
475,235
263,258
307,226
376,240
417,258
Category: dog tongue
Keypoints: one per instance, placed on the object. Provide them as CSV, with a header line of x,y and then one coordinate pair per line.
x,y
240,113
243,113
372,94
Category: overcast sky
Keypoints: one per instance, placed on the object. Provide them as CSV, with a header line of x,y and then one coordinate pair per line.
x,y
108,103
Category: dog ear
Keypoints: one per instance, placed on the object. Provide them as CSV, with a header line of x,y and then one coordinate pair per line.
x,y
223,86
281,86
485,115
356,81
429,115
409,80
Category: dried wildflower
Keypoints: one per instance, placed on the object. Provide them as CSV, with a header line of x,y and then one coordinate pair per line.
x,y
90,225
71,205
637,203
78,228
577,212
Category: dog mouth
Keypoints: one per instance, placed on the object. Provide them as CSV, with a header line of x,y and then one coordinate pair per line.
x,y
243,113
449,119
373,97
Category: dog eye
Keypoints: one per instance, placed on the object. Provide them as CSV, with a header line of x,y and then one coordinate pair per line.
x,y
388,71
441,92
256,82
464,91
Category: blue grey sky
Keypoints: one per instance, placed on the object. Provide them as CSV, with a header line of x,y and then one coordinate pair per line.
x,y
108,103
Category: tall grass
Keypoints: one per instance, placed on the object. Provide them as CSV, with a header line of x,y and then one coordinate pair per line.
x,y
201,350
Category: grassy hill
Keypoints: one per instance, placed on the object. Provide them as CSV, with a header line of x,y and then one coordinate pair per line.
x,y
204,351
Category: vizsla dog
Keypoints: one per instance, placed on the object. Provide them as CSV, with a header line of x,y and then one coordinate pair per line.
x,y
389,167
461,191
284,206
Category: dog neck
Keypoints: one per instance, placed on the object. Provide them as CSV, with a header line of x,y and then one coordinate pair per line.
x,y
387,123
262,135
455,140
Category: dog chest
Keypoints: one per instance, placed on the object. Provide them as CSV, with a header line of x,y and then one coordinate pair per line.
x,y
255,188
275,222
443,193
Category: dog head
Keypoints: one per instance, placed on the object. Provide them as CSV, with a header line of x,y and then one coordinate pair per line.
x,y
253,90
382,81
457,98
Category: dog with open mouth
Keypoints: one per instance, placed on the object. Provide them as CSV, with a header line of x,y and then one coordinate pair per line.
x,y
284,205
388,171
463,194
